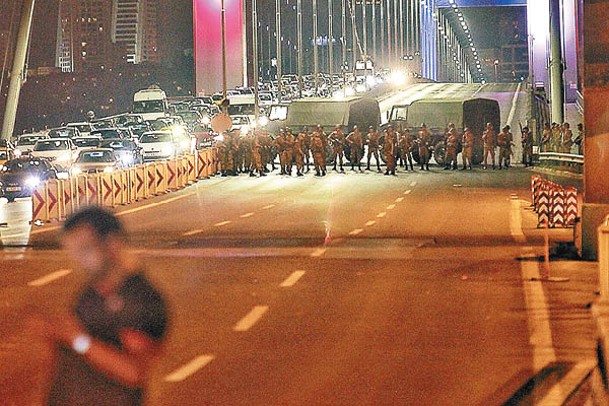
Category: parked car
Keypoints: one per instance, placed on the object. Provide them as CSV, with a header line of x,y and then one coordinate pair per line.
x,y
96,160
69,132
60,151
19,177
87,142
127,151
7,151
25,142
163,145
83,127
108,133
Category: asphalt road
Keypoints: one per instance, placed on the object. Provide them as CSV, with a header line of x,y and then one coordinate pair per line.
x,y
349,289
345,290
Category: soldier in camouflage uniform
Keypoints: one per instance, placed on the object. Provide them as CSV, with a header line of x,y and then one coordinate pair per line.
x,y
356,143
372,140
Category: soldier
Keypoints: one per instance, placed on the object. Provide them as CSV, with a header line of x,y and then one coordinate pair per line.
x,y
546,138
424,144
527,147
489,139
280,144
468,146
245,150
405,144
556,137
324,141
452,142
288,151
306,147
356,143
317,148
567,138
504,141
256,147
222,146
267,153
299,151
337,140
372,140
389,150
579,140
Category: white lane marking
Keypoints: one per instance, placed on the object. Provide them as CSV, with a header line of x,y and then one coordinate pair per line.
x,y
222,223
516,222
408,192
391,207
270,206
187,370
246,215
559,393
192,232
251,318
292,279
381,214
318,252
49,278
413,183
514,102
370,223
538,316
356,231
151,205
399,199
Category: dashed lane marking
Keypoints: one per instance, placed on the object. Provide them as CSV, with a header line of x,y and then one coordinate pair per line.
x,y
408,192
413,183
391,207
49,278
370,223
356,231
399,199
246,215
381,215
187,370
292,279
192,232
318,252
270,206
251,318
222,223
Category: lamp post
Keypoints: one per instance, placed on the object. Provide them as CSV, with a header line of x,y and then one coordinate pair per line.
x,y
315,50
330,43
278,45
255,61
299,41
223,50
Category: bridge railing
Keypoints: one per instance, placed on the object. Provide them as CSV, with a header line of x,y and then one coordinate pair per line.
x,y
567,162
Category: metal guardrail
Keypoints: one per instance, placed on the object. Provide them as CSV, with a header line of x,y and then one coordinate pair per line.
x,y
561,158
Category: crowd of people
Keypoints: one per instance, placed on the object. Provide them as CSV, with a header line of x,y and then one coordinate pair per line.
x,y
257,152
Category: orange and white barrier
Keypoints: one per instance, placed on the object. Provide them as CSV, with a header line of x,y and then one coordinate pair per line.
x,y
56,199
555,206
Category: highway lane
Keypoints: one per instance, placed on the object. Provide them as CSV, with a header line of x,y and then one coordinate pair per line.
x,y
425,305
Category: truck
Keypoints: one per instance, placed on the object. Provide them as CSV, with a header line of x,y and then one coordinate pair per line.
x,y
436,113
150,103
311,112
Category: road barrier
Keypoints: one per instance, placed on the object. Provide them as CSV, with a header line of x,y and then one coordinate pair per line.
x,y
56,199
567,162
555,206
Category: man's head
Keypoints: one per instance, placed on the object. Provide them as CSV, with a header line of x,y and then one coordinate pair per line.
x,y
93,237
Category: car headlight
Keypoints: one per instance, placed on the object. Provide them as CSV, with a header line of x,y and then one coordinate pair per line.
x,y
18,153
206,120
108,169
126,159
167,150
76,171
245,129
32,182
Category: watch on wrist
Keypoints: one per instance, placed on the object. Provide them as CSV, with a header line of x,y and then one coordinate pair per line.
x,y
81,344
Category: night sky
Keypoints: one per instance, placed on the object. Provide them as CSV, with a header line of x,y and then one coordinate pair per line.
x,y
176,26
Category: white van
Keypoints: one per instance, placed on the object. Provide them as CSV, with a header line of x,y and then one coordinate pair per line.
x,y
150,103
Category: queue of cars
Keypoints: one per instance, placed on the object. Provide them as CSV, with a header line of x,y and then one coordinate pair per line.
x,y
103,145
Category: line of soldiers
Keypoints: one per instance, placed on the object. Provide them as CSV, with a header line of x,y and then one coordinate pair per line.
x,y
257,150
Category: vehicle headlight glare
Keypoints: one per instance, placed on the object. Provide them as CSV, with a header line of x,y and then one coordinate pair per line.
x,y
32,181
